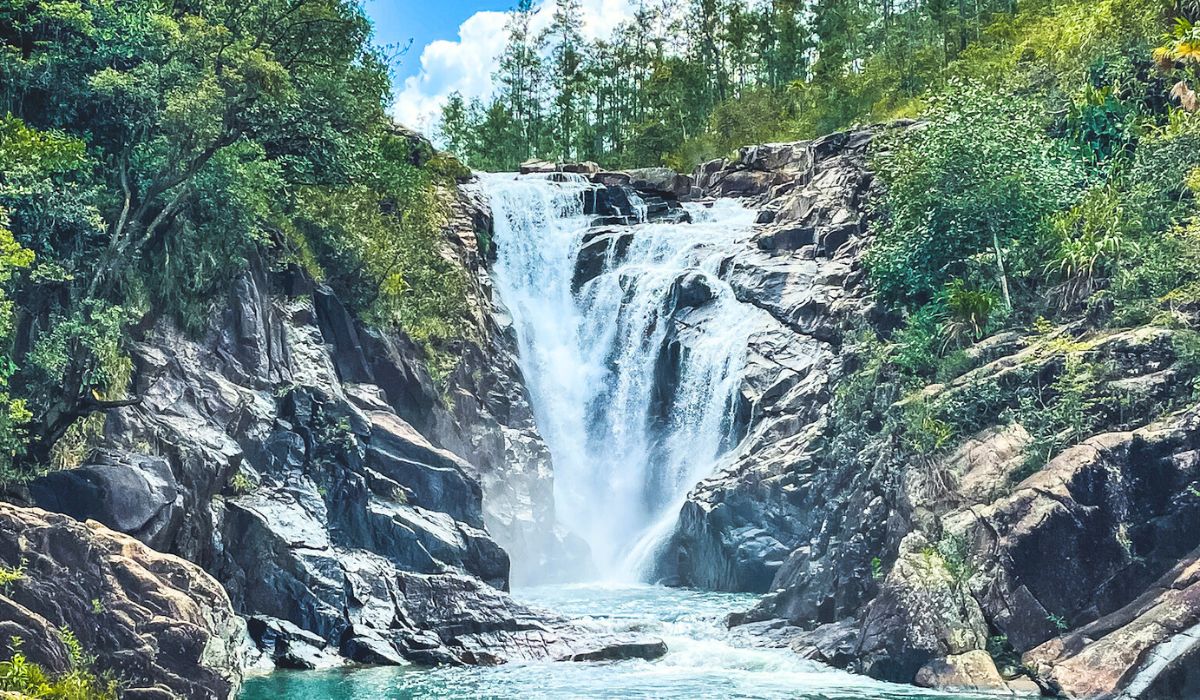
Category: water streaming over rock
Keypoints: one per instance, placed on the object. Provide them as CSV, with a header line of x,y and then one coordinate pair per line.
x,y
633,360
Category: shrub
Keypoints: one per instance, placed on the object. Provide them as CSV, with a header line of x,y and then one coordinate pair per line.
x,y
967,313
1090,241
19,675
979,181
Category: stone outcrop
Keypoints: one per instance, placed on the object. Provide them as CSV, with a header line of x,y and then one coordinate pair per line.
x,y
919,573
344,501
160,625
774,514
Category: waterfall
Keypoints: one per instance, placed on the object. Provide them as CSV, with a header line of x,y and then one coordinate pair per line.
x,y
633,374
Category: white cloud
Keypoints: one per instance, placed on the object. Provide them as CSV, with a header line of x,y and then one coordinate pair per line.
x,y
466,65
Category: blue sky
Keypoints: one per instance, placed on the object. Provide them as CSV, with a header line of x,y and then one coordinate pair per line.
x,y
456,44
422,21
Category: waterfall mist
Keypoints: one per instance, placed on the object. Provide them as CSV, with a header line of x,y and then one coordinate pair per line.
x,y
634,373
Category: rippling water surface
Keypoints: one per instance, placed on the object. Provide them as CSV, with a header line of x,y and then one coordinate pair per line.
x,y
704,661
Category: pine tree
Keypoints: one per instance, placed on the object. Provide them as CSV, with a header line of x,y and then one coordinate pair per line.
x,y
567,78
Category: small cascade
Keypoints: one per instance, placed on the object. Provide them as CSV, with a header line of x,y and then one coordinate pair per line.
x,y
632,347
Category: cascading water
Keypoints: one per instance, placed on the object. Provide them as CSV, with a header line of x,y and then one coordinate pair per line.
x,y
627,445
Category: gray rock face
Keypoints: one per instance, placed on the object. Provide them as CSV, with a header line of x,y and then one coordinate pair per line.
x,y
131,493
1087,569
661,181
775,518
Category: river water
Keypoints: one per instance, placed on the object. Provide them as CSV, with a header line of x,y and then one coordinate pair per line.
x,y
704,660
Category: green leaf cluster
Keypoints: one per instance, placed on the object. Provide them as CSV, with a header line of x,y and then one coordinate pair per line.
x,y
151,153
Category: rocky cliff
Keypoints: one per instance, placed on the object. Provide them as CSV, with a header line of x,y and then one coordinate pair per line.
x,y
968,569
342,502
345,505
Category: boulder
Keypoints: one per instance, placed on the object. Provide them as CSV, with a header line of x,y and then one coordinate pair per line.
x,y
1148,649
128,492
923,613
661,181
584,168
156,622
601,248
289,646
776,157
535,166
969,671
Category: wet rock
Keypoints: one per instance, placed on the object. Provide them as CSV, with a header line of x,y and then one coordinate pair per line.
x,y
619,649
970,671
793,238
602,248
661,181
692,291
611,179
771,157
834,643
289,646
743,183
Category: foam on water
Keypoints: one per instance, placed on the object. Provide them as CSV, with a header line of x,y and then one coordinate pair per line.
x,y
704,660
624,455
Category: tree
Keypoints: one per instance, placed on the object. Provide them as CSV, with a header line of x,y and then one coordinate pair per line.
x,y
982,180
520,77
154,149
454,129
567,80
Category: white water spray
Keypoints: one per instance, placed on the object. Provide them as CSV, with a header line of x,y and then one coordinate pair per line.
x,y
626,449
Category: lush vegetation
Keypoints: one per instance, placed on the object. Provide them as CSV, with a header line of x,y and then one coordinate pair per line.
x,y
1051,184
20,675
1049,195
151,152
684,82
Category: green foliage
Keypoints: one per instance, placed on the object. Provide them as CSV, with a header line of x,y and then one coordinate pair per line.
x,y
19,675
152,153
968,313
242,484
924,433
1008,659
955,551
1089,243
10,575
862,399
681,83
14,413
981,179
1102,124
919,343
1061,414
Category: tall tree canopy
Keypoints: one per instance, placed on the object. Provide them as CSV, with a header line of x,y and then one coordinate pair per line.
x,y
152,149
